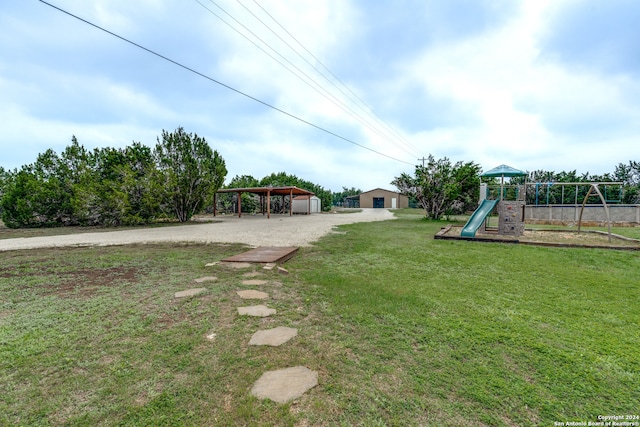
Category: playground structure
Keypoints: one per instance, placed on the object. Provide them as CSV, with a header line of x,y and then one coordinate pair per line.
x,y
510,213
517,203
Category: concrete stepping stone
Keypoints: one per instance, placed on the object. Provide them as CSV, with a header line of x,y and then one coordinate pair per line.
x,y
206,279
273,337
189,292
256,310
254,282
269,266
252,274
251,294
283,270
237,265
285,384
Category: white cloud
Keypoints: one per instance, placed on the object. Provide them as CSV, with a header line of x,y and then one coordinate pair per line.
x,y
472,89
497,75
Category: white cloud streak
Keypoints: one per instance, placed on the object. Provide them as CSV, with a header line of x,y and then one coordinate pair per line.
x,y
492,95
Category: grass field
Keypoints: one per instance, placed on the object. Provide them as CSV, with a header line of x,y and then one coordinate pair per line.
x,y
402,329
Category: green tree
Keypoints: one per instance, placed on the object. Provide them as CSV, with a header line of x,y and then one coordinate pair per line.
x,y
544,186
50,192
189,172
16,202
338,197
282,179
124,190
143,192
467,186
441,187
248,201
75,172
5,179
629,174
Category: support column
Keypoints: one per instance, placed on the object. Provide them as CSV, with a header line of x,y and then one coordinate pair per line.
x,y
215,196
239,204
309,208
290,201
268,204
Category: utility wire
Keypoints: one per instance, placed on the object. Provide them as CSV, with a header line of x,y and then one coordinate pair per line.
x,y
316,86
368,109
266,104
321,73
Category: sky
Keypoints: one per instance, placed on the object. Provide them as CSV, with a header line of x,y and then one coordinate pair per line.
x,y
342,93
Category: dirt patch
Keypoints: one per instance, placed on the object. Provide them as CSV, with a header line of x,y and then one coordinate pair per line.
x,y
85,282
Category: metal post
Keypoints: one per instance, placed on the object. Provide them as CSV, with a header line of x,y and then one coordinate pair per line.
x,y
562,206
606,208
268,204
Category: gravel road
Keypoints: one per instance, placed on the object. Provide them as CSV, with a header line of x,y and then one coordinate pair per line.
x,y
280,230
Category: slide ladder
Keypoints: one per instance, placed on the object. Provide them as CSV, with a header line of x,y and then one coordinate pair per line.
x,y
478,217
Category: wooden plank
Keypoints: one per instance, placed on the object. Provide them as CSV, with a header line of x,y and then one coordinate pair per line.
x,y
265,254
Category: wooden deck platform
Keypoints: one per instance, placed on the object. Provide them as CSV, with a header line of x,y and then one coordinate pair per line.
x,y
265,254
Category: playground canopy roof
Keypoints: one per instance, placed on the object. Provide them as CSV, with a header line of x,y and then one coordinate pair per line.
x,y
504,170
271,191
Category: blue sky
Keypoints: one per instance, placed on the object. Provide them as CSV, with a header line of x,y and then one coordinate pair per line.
x,y
551,85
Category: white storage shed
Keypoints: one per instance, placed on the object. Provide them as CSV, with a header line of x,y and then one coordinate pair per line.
x,y
306,205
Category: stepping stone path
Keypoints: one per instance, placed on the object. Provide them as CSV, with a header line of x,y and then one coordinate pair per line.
x,y
282,385
285,384
273,337
251,294
254,282
257,311
189,292
206,279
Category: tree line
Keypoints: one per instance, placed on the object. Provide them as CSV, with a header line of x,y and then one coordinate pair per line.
x,y
178,178
134,185
549,192
441,187
113,186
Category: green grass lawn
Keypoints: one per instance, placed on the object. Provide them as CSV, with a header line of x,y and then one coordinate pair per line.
x,y
402,329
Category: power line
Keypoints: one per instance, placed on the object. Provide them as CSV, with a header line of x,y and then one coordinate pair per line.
x,y
316,86
367,108
321,73
266,104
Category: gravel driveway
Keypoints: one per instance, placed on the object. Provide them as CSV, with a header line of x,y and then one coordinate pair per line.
x,y
280,230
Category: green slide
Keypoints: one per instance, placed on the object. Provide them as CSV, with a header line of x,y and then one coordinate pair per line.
x,y
478,218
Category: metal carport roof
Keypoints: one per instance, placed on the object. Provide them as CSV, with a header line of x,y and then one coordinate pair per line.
x,y
268,192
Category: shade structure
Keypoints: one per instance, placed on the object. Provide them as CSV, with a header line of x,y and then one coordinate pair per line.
x,y
502,171
265,192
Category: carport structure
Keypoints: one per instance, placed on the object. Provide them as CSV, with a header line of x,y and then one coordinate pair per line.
x,y
266,192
